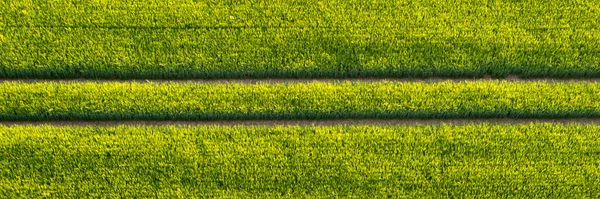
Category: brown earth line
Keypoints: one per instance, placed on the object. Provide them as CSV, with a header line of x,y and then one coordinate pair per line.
x,y
304,80
308,122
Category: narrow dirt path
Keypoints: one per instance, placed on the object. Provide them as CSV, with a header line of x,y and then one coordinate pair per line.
x,y
305,80
307,122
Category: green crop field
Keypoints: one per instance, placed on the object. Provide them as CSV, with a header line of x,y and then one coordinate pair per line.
x,y
298,38
88,101
464,161
317,100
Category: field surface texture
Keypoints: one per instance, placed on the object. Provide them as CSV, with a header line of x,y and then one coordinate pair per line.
x,y
299,99
169,101
498,161
298,38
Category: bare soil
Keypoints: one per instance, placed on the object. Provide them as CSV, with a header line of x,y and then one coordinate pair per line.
x,y
307,122
306,80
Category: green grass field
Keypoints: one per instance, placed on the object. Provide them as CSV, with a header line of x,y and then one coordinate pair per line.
x,y
317,100
464,161
292,38
78,153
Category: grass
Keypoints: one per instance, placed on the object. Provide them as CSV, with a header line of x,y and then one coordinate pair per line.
x,y
290,38
207,39
474,160
317,100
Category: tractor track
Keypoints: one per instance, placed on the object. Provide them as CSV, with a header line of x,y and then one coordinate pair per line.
x,y
514,78
307,122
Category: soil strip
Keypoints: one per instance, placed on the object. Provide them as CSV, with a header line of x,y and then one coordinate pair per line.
x,y
307,122
305,80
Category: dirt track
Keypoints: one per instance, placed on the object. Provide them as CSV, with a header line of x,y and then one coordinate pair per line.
x,y
307,122
305,80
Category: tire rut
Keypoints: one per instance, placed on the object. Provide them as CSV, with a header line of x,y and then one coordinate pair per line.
x,y
308,122
304,80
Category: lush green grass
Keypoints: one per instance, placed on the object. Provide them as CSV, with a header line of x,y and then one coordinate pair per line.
x,y
317,100
298,38
497,161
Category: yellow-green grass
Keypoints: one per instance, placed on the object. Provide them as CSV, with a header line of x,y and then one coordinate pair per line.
x,y
298,38
316,100
463,161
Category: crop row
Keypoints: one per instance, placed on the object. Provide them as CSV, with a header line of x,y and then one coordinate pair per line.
x,y
499,161
300,13
216,39
316,100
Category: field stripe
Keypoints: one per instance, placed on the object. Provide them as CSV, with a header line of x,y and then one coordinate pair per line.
x,y
304,53
300,39
420,161
315,100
